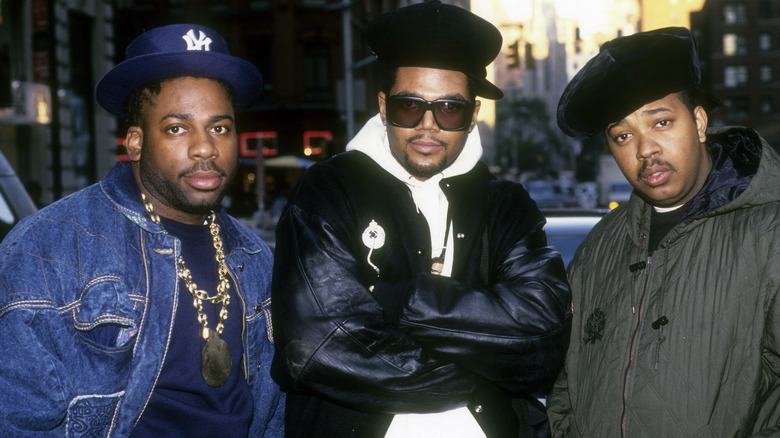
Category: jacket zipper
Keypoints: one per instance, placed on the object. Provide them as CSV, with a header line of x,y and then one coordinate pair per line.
x,y
632,349
243,323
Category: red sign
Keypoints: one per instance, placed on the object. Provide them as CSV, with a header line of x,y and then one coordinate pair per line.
x,y
315,141
249,143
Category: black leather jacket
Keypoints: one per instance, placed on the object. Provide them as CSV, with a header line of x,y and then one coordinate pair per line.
x,y
405,340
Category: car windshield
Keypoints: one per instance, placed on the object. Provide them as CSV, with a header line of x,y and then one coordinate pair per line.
x,y
567,229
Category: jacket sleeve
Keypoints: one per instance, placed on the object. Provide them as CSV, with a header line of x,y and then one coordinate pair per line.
x,y
336,339
514,330
34,401
332,338
559,407
40,350
770,241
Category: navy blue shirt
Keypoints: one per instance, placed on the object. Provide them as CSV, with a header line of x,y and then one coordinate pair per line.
x,y
182,403
662,223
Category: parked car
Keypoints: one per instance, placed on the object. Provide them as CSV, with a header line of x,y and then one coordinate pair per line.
x,y
15,202
544,194
618,192
566,229
587,194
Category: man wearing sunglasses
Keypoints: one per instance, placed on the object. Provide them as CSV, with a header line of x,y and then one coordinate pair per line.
x,y
413,293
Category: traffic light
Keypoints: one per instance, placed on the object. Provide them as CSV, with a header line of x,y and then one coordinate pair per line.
x,y
530,62
513,58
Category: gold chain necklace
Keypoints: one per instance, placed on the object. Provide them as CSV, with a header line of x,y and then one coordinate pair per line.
x,y
216,354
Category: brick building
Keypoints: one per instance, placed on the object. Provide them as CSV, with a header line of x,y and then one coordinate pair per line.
x,y
739,43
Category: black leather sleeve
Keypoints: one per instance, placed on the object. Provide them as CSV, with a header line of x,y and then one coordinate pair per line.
x,y
514,330
418,342
331,335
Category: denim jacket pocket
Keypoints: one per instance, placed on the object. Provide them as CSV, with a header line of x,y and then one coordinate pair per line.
x,y
90,415
107,315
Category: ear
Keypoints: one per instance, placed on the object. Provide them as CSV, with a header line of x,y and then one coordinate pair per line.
x,y
133,142
701,123
382,107
477,105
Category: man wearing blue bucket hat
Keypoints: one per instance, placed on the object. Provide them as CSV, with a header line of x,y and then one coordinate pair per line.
x,y
676,328
415,294
138,306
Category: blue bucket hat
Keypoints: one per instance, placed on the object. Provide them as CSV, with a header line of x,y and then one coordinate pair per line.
x,y
172,51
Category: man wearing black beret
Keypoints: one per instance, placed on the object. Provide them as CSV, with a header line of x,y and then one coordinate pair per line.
x,y
676,326
415,295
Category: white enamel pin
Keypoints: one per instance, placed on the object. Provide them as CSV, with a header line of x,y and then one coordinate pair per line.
x,y
373,238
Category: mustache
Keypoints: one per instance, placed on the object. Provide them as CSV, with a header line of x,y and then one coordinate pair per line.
x,y
427,137
655,162
204,165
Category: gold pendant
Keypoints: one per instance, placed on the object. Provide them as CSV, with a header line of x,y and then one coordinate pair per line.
x,y
216,361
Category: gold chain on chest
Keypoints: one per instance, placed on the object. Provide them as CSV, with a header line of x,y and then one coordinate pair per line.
x,y
221,298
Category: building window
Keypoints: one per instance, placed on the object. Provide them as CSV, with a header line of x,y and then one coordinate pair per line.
x,y
735,76
218,6
737,107
765,74
765,9
766,105
765,41
260,56
259,5
734,44
317,72
734,13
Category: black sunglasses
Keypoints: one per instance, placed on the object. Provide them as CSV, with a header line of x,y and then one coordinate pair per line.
x,y
408,112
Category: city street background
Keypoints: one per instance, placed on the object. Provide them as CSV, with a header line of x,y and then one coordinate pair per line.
x,y
320,85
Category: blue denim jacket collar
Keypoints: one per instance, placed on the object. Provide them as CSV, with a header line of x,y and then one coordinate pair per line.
x,y
121,188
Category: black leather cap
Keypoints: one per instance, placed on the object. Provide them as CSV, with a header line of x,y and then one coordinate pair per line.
x,y
438,36
628,73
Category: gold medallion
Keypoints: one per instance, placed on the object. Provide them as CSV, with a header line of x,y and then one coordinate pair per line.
x,y
216,354
216,361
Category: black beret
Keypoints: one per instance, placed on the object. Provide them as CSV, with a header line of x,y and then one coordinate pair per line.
x,y
628,73
438,36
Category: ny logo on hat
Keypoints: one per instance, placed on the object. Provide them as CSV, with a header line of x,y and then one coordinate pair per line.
x,y
201,43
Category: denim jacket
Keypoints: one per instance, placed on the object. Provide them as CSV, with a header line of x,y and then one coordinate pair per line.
x,y
95,258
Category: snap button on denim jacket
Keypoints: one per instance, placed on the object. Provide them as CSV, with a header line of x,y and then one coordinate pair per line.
x,y
93,259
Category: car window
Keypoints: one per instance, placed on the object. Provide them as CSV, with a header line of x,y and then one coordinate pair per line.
x,y
6,215
566,230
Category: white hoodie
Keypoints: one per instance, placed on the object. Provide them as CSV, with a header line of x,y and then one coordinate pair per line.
x,y
430,200
428,196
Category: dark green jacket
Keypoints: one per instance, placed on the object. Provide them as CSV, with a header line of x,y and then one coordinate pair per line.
x,y
713,368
